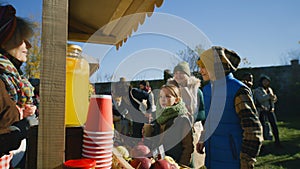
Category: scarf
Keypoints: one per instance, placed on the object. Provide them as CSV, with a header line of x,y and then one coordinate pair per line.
x,y
171,112
17,86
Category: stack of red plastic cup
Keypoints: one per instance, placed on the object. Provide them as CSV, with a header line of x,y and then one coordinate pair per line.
x,y
98,131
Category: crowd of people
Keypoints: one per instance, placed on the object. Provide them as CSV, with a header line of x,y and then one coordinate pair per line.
x,y
225,120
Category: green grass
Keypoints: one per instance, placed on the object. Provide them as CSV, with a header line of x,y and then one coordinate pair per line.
x,y
287,157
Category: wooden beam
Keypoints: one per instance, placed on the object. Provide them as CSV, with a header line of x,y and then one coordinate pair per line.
x,y
51,132
97,37
119,12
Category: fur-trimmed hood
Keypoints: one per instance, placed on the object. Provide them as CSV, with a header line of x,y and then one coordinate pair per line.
x,y
192,82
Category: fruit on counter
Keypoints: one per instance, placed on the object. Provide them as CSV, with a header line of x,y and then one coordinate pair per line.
x,y
172,162
169,159
141,163
181,166
161,164
152,160
123,151
175,166
139,151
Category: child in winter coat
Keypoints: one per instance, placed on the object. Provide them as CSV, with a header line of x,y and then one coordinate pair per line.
x,y
175,125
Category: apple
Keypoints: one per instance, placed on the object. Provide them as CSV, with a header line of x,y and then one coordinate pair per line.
x,y
141,163
139,151
174,166
173,163
161,164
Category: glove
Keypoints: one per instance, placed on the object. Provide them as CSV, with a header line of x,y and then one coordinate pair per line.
x,y
124,113
33,120
23,125
18,131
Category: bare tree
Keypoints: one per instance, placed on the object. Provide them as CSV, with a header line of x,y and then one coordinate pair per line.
x,y
32,68
245,62
191,56
294,54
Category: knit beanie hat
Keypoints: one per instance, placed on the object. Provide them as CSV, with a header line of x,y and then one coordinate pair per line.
x,y
229,59
183,67
8,22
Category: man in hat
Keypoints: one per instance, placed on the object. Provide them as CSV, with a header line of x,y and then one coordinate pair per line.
x,y
145,86
233,133
247,78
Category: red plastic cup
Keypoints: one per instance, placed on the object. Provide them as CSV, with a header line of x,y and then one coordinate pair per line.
x,y
98,132
98,143
89,153
97,153
101,161
106,136
98,139
104,165
109,134
80,163
97,148
99,117
103,137
97,156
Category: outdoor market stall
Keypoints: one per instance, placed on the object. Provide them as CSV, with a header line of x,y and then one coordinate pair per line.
x,y
75,20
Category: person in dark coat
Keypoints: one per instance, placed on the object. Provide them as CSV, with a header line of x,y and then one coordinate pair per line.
x,y
16,104
131,100
266,99
145,86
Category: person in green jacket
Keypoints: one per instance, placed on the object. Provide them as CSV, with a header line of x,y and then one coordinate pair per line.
x,y
173,117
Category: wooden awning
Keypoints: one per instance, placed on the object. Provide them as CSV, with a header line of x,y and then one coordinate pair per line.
x,y
107,21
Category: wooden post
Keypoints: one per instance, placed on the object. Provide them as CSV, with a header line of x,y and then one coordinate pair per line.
x,y
51,132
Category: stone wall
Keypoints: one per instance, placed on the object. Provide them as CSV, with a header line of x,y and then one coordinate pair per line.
x,y
285,83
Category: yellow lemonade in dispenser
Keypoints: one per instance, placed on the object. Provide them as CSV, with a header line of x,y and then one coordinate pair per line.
x,y
77,87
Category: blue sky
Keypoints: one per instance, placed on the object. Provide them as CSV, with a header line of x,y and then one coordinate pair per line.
x,y
263,31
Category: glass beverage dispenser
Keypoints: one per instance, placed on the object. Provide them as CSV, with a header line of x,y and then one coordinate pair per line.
x,y
77,87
